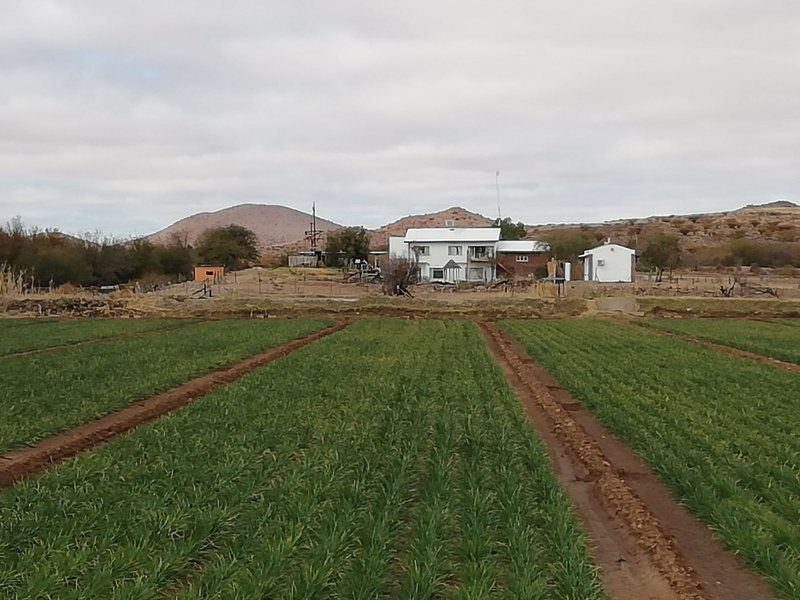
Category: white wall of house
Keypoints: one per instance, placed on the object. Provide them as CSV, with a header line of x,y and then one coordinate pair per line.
x,y
609,263
397,246
434,248
433,256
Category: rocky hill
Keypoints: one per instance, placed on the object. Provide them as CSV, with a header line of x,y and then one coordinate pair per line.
x,y
772,222
763,234
705,238
273,225
459,217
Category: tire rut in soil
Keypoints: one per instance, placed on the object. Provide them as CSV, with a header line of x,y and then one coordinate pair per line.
x,y
644,543
29,461
754,356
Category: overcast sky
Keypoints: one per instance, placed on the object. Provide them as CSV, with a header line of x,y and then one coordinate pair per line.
x,y
126,116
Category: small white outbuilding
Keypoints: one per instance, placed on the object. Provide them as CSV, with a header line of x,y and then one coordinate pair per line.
x,y
609,263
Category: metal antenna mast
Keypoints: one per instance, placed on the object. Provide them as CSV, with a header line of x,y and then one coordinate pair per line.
x,y
313,234
497,185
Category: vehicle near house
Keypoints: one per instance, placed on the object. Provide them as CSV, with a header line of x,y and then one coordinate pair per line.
x,y
609,263
450,254
521,258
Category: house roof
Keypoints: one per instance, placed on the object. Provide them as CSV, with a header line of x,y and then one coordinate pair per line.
x,y
453,234
522,246
451,264
612,246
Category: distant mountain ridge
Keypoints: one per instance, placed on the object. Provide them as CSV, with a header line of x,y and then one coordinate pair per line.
x,y
274,225
704,236
281,230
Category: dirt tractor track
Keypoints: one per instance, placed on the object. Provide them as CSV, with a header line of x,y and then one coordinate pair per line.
x,y
738,352
645,544
29,461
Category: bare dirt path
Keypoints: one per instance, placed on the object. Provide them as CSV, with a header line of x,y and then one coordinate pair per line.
x,y
728,349
645,544
30,461
101,340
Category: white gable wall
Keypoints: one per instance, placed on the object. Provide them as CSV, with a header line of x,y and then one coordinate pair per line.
x,y
397,247
610,263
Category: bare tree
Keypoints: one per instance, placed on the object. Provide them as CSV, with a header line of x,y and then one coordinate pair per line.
x,y
400,275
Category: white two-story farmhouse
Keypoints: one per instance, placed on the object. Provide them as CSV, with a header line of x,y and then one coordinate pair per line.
x,y
450,254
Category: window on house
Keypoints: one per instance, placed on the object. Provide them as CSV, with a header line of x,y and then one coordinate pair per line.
x,y
454,250
522,258
476,274
437,274
449,223
480,251
421,250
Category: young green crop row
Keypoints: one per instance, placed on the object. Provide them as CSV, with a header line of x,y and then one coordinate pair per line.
x,y
31,334
775,339
723,432
388,460
792,322
46,393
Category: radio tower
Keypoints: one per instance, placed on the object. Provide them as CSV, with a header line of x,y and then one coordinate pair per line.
x,y
313,234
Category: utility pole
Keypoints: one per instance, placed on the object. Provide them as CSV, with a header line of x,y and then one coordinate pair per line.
x,y
313,234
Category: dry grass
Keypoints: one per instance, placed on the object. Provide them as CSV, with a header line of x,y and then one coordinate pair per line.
x,y
720,307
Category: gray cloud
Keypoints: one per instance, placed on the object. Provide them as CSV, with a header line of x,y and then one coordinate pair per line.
x,y
125,116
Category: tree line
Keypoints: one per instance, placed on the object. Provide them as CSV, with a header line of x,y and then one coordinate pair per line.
x,y
660,251
51,258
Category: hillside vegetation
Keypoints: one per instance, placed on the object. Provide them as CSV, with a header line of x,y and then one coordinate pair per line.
x,y
767,235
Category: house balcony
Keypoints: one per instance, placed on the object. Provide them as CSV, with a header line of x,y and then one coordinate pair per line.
x,y
486,256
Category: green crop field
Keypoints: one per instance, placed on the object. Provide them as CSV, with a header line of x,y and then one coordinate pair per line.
x,y
775,339
29,334
387,460
792,322
723,432
46,393
7,324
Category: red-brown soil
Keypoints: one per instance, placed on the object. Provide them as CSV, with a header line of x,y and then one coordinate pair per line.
x,y
730,350
644,543
30,461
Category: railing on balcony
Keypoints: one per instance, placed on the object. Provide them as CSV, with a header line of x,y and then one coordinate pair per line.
x,y
480,253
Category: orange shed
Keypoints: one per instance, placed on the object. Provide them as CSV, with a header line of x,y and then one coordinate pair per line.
x,y
209,273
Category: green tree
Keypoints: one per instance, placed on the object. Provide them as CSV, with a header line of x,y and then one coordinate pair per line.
x,y
176,258
144,257
510,230
661,251
568,244
233,246
346,244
